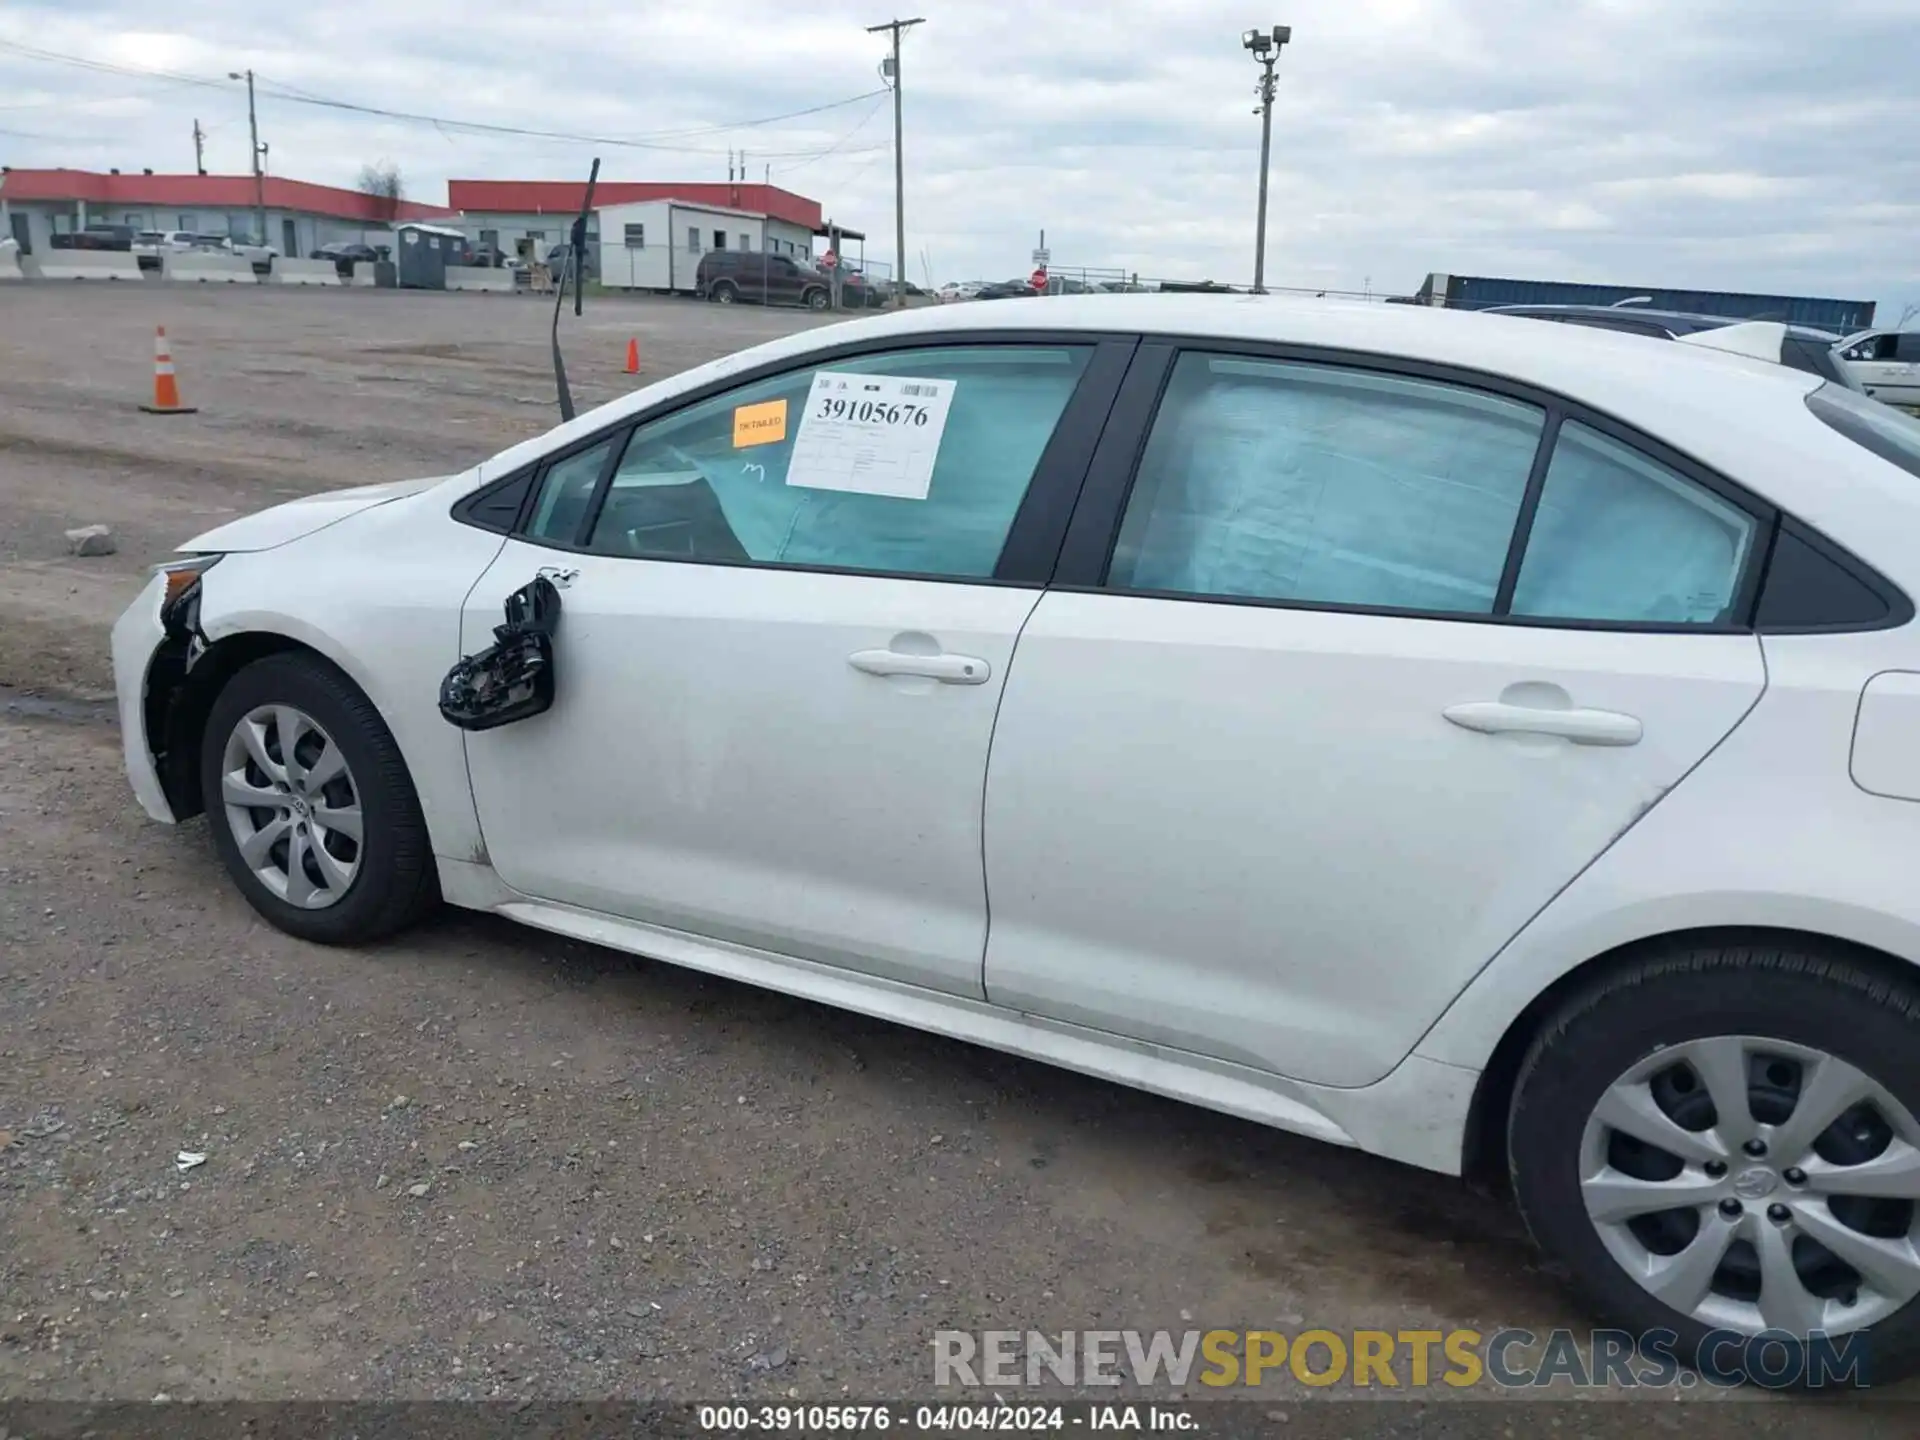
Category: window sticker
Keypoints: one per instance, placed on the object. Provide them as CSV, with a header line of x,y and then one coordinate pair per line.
x,y
871,434
762,424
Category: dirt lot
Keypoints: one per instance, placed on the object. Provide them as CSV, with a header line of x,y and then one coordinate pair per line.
x,y
484,1163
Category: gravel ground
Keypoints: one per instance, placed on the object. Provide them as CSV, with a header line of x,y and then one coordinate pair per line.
x,y
480,1162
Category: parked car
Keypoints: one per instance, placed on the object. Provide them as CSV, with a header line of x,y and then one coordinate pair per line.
x,y
1489,746
491,256
1886,363
1801,348
148,244
1019,288
262,255
557,260
857,292
954,290
95,237
759,277
345,253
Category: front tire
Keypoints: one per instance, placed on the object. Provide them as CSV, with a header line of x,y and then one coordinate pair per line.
x,y
312,809
1721,1141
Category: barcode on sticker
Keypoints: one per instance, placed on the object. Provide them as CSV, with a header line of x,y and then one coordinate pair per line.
x,y
919,390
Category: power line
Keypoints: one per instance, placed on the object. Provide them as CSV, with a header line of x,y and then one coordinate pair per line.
x,y
280,90
65,139
865,120
482,127
81,105
34,52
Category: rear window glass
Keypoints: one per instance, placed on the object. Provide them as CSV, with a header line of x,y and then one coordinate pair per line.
x,y
1889,433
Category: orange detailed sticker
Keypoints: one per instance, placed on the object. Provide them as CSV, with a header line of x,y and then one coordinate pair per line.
x,y
762,424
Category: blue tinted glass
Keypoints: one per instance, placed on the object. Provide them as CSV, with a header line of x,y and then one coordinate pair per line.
x,y
565,492
686,490
1619,537
1314,483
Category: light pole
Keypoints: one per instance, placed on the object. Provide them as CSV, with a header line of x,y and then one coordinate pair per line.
x,y
259,175
1265,46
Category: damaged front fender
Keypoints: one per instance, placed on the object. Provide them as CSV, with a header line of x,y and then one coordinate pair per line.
x,y
513,678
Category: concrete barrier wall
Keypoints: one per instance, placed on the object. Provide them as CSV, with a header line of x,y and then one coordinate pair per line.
x,y
306,272
480,277
90,265
362,273
220,269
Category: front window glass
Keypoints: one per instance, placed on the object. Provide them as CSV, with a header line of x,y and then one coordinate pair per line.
x,y
565,492
912,462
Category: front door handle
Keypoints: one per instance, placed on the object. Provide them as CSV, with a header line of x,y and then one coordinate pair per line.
x,y
948,669
561,576
1582,727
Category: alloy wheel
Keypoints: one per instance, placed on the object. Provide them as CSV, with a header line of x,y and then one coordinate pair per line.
x,y
1754,1184
293,806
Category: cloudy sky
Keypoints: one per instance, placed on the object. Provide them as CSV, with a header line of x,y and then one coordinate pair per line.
x,y
1728,144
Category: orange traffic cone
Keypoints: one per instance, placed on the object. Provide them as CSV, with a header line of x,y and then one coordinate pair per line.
x,y
166,390
633,357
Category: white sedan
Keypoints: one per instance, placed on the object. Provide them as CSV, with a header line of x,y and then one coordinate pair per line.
x,y
1493,746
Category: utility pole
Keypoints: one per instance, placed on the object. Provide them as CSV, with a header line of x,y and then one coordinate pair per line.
x,y
259,175
899,165
1266,47
199,149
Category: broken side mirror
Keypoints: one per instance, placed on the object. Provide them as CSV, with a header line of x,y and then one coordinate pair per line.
x,y
513,678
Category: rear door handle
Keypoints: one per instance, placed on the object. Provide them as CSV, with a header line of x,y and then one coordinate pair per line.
x,y
1582,727
948,669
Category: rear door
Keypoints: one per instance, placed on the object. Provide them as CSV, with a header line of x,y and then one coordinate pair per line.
x,y
1341,683
779,281
782,647
1904,381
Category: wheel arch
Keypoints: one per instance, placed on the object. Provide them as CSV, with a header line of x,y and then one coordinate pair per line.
x,y
180,697
1483,1157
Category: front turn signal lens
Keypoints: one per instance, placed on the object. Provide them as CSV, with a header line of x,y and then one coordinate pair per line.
x,y
182,575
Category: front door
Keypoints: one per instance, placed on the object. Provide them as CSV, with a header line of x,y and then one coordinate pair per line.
x,y
788,615
1887,365
289,240
1314,749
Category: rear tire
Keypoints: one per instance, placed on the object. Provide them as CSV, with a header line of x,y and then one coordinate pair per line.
x,y
723,293
816,300
1671,1148
293,762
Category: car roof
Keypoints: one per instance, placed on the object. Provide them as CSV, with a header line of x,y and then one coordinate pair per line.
x,y
1685,395
1693,319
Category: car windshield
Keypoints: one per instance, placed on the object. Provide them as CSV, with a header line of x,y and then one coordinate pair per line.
x,y
1889,433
